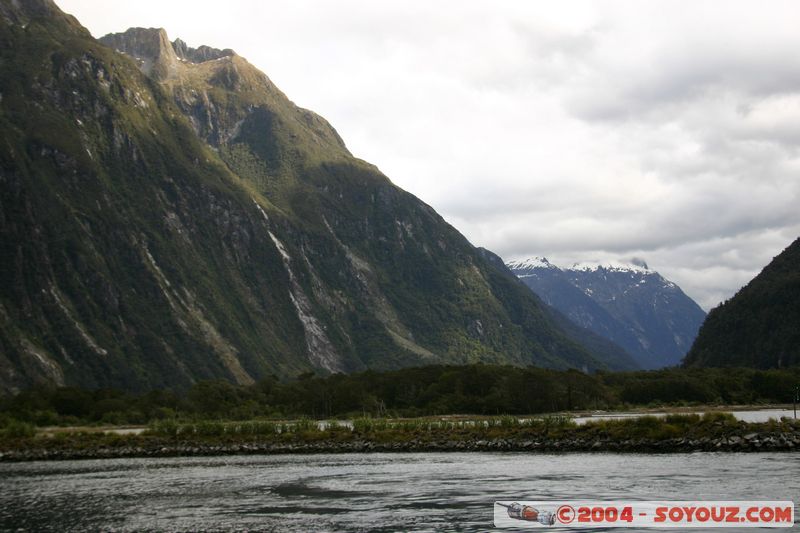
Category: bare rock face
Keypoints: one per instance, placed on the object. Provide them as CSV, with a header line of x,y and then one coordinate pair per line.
x,y
157,56
200,54
150,47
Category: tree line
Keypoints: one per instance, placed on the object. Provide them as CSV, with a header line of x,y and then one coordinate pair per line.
x,y
478,389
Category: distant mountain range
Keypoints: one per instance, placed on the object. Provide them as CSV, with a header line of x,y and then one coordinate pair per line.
x,y
759,327
168,215
626,303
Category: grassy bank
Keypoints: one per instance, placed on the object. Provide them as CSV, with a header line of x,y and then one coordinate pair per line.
x,y
672,433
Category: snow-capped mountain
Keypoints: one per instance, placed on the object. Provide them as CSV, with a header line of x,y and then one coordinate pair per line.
x,y
625,302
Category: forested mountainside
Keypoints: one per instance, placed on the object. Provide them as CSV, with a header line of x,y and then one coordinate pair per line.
x,y
168,215
760,326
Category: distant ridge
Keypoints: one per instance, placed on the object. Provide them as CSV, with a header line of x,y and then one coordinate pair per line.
x,y
622,301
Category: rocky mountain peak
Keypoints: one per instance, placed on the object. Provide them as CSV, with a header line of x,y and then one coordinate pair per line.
x,y
634,265
157,56
530,263
623,301
637,266
200,54
150,47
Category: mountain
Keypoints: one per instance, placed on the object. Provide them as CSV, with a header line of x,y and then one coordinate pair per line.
x,y
626,303
167,215
606,350
759,327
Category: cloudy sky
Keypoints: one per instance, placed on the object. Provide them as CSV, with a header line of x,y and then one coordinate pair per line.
x,y
572,130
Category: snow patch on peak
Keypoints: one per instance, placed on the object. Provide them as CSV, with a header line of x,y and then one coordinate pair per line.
x,y
635,265
530,263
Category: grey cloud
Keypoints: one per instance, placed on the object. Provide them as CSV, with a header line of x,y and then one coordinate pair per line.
x,y
685,71
606,130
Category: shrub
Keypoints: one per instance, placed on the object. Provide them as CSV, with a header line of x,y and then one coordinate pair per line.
x,y
19,430
715,416
306,424
335,427
209,428
167,427
682,419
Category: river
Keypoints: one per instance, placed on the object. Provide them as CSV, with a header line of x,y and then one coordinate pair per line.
x,y
750,415
363,492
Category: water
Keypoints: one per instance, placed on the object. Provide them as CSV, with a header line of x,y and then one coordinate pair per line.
x,y
763,415
759,415
363,492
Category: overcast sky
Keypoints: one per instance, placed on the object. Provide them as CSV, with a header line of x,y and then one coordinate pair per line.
x,y
571,130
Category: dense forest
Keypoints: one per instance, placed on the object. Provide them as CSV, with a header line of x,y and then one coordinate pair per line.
x,y
477,389
758,327
191,223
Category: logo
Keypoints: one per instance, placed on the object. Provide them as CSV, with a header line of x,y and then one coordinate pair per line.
x,y
672,514
566,514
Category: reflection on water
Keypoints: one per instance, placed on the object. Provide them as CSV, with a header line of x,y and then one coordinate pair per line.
x,y
369,492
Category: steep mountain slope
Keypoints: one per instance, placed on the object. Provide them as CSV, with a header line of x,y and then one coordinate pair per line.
x,y
628,304
760,326
168,215
607,350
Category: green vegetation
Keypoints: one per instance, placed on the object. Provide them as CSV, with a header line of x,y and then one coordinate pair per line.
x,y
146,213
758,327
401,410
717,431
689,426
479,389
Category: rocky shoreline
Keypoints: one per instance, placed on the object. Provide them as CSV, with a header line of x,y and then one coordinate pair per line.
x,y
750,442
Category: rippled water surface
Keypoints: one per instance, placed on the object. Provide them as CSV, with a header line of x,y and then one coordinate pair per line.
x,y
367,492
